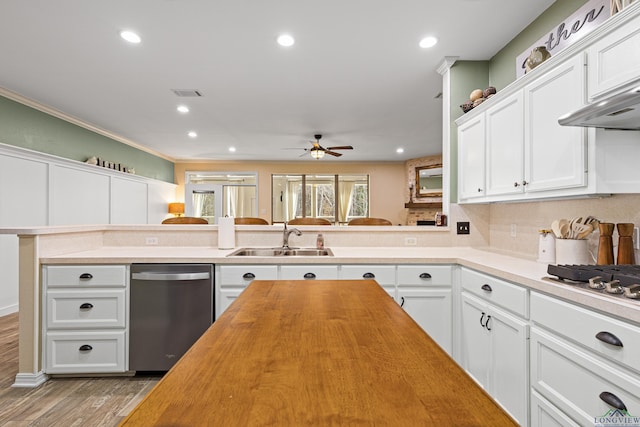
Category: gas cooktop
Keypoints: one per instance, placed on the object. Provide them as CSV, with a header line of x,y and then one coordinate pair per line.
x,y
614,280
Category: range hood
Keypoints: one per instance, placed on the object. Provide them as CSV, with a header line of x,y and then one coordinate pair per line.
x,y
620,111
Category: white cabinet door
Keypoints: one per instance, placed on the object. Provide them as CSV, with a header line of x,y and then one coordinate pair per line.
x,y
555,156
494,351
225,297
471,158
431,309
509,355
614,61
475,339
505,146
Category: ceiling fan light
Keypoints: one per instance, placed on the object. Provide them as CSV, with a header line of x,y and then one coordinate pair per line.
x,y
317,154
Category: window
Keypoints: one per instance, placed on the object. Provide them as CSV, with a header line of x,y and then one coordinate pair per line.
x,y
213,194
321,200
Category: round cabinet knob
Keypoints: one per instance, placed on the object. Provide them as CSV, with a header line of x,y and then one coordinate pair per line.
x,y
524,183
516,184
479,190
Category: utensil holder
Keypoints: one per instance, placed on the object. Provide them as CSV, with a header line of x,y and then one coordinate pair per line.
x,y
605,244
626,254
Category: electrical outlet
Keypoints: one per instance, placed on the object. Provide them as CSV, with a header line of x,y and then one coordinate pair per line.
x,y
463,227
636,237
151,240
514,230
410,241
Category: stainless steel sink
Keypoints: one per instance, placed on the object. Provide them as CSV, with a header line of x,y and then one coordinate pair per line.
x,y
273,252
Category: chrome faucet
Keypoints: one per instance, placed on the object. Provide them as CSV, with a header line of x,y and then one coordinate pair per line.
x,y
286,233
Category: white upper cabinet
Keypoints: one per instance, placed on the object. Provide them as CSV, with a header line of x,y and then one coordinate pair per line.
x,y
471,158
555,155
511,147
505,146
614,60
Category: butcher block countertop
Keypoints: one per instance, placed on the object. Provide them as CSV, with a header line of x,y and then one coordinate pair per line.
x,y
291,352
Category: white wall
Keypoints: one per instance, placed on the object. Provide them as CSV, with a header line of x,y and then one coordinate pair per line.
x,y
37,189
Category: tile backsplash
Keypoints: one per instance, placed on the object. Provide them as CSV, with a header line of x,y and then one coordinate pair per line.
x,y
527,218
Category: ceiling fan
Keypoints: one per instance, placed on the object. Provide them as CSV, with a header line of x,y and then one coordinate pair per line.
x,y
318,151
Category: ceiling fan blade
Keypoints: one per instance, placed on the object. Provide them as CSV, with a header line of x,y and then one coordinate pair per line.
x,y
332,153
342,147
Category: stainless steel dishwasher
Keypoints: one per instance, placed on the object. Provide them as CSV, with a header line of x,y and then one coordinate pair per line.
x,y
171,307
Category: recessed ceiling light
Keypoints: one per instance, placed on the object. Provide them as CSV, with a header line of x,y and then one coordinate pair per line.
x,y
192,134
286,40
428,42
399,150
183,108
232,149
130,36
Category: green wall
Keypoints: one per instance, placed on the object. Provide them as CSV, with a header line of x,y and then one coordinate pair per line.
x,y
29,128
502,67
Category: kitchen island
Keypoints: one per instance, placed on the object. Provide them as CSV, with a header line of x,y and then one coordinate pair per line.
x,y
320,353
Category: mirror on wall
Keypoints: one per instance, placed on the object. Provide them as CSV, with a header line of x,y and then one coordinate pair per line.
x,y
429,181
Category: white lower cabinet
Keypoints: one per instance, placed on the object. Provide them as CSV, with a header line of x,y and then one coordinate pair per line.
x,y
544,414
583,363
231,280
424,292
494,344
85,319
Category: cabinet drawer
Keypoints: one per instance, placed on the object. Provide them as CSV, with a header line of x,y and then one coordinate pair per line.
x,y
383,274
85,352
584,326
421,275
573,381
86,309
89,275
309,272
244,274
500,293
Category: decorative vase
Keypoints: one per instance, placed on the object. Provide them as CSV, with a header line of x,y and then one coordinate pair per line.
x,y
538,56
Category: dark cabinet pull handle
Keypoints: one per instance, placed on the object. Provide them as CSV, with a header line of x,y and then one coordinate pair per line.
x,y
248,276
368,276
85,347
401,301
86,306
486,287
609,338
309,276
482,319
486,324
612,400
86,276
425,276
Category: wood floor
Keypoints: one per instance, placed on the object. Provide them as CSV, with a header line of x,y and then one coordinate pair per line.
x,y
63,402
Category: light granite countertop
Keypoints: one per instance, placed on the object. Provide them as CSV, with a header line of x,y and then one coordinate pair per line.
x,y
525,272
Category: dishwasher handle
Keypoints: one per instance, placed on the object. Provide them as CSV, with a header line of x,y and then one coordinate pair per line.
x,y
170,276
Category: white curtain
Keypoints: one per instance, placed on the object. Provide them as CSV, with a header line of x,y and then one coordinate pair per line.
x,y
345,191
292,200
232,200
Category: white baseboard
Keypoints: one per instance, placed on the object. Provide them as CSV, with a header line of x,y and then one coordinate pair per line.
x,y
25,380
10,309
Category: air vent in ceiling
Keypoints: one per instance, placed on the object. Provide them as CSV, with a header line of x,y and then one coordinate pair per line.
x,y
186,92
